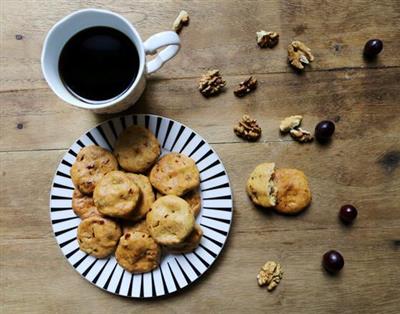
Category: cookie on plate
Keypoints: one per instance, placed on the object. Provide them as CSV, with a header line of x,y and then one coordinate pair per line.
x,y
91,165
175,174
147,196
293,194
170,220
193,198
189,244
83,205
116,195
129,226
261,186
137,149
137,252
98,236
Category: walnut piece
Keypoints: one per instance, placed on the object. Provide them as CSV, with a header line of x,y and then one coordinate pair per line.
x,y
267,39
211,83
248,129
298,53
245,87
180,21
301,135
270,274
290,123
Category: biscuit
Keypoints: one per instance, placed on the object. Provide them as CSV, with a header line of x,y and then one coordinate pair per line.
x,y
189,244
193,198
175,174
83,205
137,252
146,199
116,195
293,191
170,220
91,165
129,226
136,149
260,185
98,236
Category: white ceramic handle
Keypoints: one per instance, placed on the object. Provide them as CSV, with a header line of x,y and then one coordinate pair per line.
x,y
170,40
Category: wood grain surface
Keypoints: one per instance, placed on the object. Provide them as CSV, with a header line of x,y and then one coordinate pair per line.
x,y
360,166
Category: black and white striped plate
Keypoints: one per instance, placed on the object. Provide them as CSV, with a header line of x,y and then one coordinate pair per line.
x,y
175,271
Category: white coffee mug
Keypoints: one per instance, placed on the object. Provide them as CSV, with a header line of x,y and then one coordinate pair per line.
x,y
70,25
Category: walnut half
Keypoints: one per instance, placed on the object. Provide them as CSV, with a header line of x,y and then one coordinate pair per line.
x,y
301,135
245,87
290,123
267,39
299,53
180,21
248,129
270,274
211,83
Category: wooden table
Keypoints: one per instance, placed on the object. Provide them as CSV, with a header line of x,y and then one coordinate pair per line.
x,y
361,166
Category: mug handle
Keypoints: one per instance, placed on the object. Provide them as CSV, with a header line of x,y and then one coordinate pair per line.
x,y
168,39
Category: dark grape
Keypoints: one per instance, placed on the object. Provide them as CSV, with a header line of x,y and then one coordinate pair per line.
x,y
347,213
324,130
373,47
333,261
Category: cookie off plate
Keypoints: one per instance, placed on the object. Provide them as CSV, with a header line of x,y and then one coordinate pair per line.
x,y
176,271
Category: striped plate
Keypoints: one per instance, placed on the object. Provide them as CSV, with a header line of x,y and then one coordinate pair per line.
x,y
176,271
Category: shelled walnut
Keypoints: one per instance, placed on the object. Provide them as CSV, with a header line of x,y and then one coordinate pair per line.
x,y
290,123
211,83
246,87
270,274
301,135
267,39
180,21
299,53
247,129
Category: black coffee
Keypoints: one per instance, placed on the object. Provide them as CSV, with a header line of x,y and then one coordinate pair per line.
x,y
98,63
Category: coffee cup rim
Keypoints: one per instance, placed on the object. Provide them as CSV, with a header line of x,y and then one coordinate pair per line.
x,y
103,104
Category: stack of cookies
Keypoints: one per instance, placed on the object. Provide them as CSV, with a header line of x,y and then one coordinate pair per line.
x,y
133,203
286,190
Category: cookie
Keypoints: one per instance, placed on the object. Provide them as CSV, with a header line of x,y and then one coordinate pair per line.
x,y
83,205
189,244
129,226
136,149
260,185
193,198
293,191
147,196
170,220
137,252
91,165
116,195
175,174
98,236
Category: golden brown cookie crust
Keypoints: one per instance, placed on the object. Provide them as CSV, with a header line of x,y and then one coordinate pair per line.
x,y
175,174
136,149
91,165
129,226
193,198
189,244
294,193
147,196
137,252
98,236
116,195
170,220
260,185
83,205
